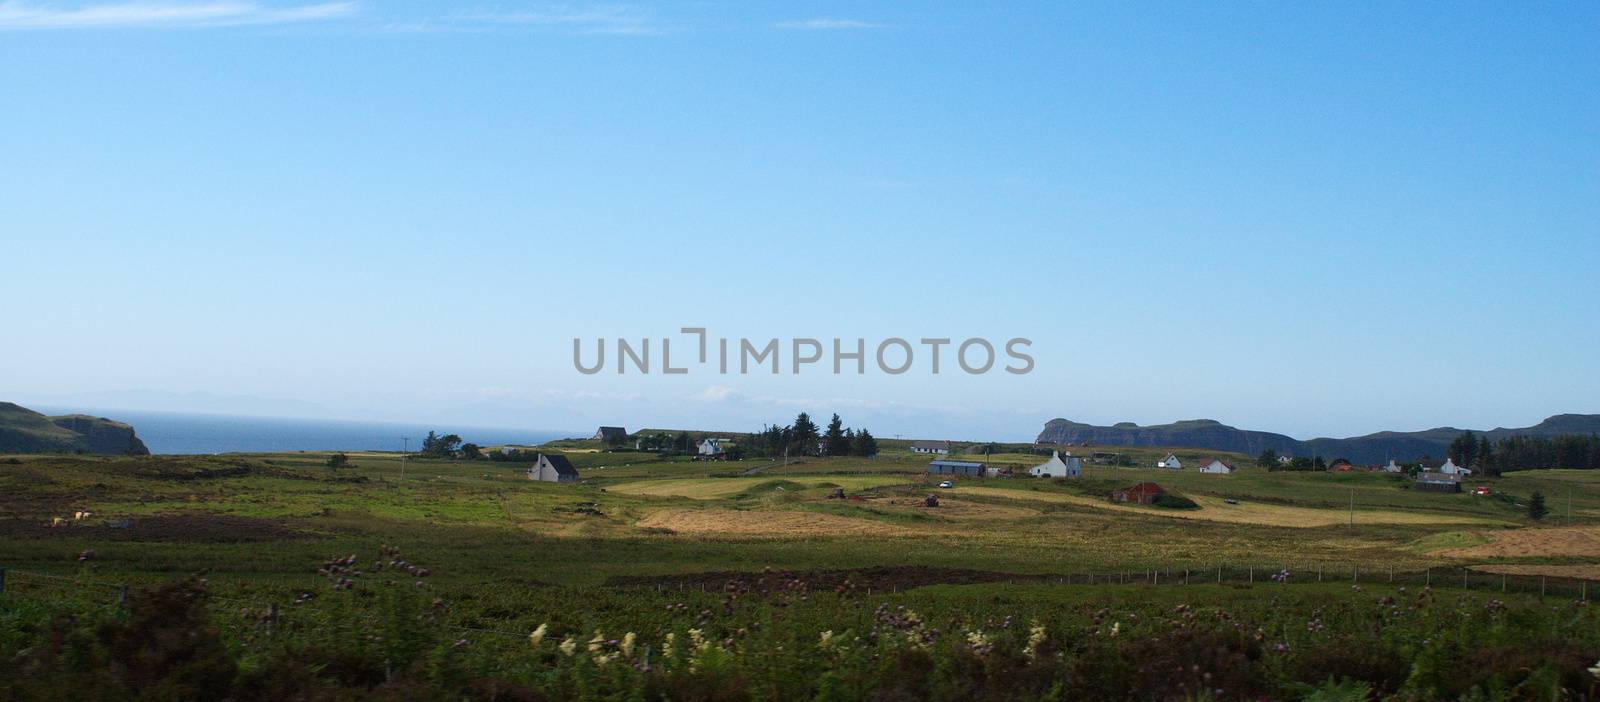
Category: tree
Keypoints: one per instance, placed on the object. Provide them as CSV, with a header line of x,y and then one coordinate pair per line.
x,y
834,442
1536,508
1319,464
338,460
1268,459
864,445
803,436
436,446
684,443
471,452
1464,449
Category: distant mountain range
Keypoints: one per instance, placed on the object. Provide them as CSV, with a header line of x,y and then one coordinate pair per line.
x,y
1369,449
23,430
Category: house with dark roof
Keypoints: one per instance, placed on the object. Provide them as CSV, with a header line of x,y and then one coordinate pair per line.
x,y
611,435
1215,465
553,468
939,447
1143,493
1059,466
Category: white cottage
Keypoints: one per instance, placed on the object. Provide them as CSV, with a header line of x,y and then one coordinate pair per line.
x,y
1216,465
1393,467
1058,466
941,448
1170,462
1450,468
553,468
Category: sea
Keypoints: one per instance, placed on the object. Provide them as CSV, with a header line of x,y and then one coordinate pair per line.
x,y
179,433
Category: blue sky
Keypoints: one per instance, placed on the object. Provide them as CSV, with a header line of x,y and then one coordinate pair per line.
x,y
1317,219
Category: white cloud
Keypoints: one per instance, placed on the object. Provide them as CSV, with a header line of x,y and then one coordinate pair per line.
x,y
610,19
827,23
29,15
716,393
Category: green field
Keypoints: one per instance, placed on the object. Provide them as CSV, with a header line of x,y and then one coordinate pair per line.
x,y
642,535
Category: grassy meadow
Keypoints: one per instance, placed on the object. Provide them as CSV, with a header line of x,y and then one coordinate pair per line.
x,y
657,546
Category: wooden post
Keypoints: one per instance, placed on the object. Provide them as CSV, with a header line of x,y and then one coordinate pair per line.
x,y
1219,574
1464,584
1541,587
122,597
1319,572
1185,576
1427,577
1355,574
2,581
272,618
1252,575
1391,572
1502,582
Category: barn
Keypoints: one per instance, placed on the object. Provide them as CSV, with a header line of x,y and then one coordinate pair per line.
x,y
1143,493
966,468
610,435
553,468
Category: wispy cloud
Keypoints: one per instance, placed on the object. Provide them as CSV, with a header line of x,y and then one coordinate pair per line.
x,y
30,15
608,19
827,23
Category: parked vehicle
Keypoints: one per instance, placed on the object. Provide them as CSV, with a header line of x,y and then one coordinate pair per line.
x,y
946,484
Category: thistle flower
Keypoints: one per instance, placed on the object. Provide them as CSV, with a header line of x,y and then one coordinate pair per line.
x,y
537,636
569,646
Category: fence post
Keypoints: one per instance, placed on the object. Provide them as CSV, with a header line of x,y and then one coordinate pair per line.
x,y
1541,587
1219,574
1391,572
2,581
1502,582
122,597
272,618
1355,574
1464,584
1185,577
1427,577
1319,572
1252,575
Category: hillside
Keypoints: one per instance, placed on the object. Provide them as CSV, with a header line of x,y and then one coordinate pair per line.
x,y
25,431
1371,448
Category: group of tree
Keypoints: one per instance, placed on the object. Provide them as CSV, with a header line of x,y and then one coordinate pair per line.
x,y
1513,453
437,445
1269,460
803,438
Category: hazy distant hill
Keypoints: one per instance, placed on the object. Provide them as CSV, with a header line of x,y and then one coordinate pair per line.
x,y
25,431
1372,448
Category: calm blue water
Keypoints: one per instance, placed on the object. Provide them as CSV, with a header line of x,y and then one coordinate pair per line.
x,y
168,432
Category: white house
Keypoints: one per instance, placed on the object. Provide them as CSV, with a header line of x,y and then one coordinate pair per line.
x,y
1058,466
941,448
1450,468
1216,465
712,447
1171,461
553,468
1393,467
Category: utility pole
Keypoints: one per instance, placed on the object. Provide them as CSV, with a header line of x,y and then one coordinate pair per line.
x,y
1352,506
404,455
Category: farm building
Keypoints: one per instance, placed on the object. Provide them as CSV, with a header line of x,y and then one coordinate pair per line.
x,y
710,447
1058,466
1340,466
1104,458
1393,467
967,468
1216,465
1449,467
1143,493
1438,482
553,468
1171,462
939,447
611,435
